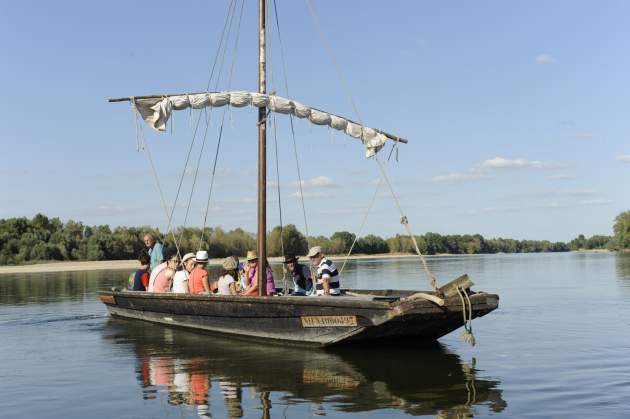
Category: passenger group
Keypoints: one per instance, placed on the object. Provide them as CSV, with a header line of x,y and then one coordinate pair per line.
x,y
162,273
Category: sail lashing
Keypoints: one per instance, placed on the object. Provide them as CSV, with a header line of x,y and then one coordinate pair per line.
x,y
156,111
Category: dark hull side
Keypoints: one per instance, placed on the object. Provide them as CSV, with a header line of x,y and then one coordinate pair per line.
x,y
301,321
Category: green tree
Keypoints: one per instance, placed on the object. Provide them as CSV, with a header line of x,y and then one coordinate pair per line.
x,y
294,241
371,245
621,228
322,241
340,242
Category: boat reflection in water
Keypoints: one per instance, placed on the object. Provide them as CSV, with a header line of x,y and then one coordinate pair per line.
x,y
187,369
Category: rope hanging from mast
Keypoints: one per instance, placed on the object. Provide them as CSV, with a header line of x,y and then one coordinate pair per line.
x,y
216,153
403,220
297,162
145,147
143,143
294,143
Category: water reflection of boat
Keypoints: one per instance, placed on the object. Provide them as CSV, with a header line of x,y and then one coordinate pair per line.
x,y
425,380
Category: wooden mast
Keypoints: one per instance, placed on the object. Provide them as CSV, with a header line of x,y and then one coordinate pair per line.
x,y
262,154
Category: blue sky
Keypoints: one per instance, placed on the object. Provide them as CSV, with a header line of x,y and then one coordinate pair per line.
x,y
516,112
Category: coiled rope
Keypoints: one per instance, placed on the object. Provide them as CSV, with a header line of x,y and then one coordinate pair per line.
x,y
467,334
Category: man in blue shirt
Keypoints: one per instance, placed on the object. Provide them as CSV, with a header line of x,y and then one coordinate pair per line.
x,y
155,250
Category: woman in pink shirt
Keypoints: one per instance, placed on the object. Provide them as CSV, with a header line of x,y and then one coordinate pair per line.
x,y
250,274
164,279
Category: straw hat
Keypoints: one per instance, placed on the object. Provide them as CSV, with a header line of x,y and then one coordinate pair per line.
x,y
188,256
201,257
230,263
252,255
315,250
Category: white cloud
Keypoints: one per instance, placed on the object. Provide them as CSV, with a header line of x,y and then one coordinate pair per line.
x,y
624,158
317,182
492,210
583,135
460,176
592,202
545,59
581,192
483,169
560,177
312,195
551,205
585,203
501,163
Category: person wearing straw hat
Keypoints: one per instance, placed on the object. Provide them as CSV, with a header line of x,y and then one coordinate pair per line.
x,y
180,280
327,273
301,274
198,279
251,269
227,281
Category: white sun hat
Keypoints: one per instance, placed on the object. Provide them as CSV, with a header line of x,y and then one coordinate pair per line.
x,y
201,257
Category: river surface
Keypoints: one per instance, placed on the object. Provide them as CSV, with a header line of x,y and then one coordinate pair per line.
x,y
557,347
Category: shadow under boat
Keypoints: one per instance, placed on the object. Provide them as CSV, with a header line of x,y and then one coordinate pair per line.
x,y
418,380
356,316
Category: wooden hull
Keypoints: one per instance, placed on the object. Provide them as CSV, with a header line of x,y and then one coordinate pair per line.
x,y
303,321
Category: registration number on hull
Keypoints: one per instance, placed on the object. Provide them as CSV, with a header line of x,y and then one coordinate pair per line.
x,y
329,321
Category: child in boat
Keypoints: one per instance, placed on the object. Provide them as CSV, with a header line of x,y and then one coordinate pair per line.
x,y
180,280
198,280
227,281
139,280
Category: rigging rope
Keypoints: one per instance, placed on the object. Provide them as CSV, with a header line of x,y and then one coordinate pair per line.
x,y
221,47
367,212
275,141
145,146
404,221
365,217
286,86
216,154
331,53
170,215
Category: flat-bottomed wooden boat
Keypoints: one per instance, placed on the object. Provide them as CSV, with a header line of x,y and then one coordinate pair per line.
x,y
357,316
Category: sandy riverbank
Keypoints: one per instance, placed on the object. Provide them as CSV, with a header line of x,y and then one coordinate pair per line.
x,y
133,264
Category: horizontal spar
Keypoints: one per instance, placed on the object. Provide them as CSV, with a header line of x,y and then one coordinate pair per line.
x,y
157,98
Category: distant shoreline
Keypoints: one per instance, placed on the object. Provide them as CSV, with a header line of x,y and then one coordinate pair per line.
x,y
100,265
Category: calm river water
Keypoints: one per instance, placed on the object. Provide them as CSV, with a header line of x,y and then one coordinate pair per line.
x,y
557,347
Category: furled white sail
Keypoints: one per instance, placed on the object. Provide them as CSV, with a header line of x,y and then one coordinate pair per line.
x,y
157,110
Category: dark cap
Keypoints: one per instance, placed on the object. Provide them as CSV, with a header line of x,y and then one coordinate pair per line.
x,y
290,258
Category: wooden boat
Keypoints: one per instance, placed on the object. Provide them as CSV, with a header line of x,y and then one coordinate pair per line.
x,y
356,316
